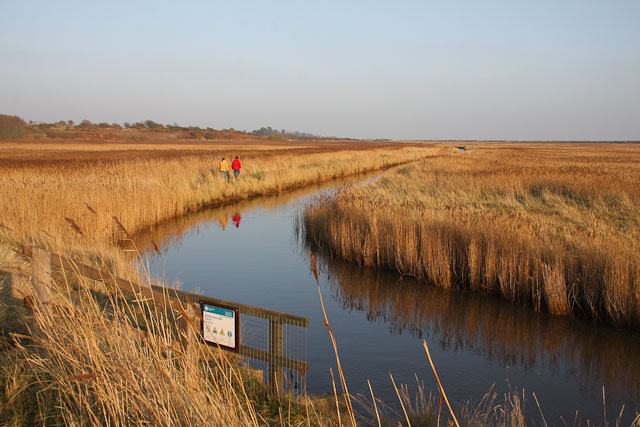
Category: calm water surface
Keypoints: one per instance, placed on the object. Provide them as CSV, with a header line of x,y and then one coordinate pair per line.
x,y
249,253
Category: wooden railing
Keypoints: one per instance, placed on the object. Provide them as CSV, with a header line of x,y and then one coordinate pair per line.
x,y
184,303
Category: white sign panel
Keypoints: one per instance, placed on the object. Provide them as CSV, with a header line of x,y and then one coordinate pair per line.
x,y
219,325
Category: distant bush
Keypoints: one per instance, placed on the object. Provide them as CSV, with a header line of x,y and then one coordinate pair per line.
x,y
85,124
12,127
274,134
150,124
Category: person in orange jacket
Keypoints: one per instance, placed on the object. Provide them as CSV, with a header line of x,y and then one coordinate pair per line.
x,y
235,165
224,169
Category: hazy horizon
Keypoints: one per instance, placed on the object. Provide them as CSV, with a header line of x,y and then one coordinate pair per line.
x,y
414,70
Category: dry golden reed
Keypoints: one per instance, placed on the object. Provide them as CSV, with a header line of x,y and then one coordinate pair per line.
x,y
94,357
75,198
89,363
554,226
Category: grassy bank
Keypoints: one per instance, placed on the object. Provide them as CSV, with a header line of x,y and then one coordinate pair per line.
x,y
552,226
96,357
67,196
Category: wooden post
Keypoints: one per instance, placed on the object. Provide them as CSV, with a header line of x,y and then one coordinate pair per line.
x,y
190,325
276,348
41,273
195,319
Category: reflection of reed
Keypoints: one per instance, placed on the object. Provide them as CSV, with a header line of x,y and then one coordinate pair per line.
x,y
170,233
496,329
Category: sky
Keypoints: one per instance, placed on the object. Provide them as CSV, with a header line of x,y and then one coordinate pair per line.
x,y
514,70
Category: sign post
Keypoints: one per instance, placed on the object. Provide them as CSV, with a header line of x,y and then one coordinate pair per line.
x,y
220,326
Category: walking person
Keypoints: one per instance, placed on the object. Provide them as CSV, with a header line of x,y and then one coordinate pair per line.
x,y
224,169
235,165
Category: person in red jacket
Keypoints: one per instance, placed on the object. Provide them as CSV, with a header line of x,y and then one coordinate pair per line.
x,y
235,165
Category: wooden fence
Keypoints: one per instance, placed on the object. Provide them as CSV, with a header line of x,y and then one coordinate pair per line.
x,y
186,304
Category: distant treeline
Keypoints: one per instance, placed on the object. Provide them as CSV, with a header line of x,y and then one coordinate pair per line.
x,y
146,125
268,131
13,127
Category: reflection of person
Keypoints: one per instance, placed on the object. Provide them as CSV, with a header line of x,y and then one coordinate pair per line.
x,y
224,169
236,219
223,222
235,165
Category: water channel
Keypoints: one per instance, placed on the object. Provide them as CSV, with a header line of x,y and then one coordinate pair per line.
x,y
249,252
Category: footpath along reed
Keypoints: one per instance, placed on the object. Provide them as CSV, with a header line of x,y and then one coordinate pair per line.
x,y
51,191
552,226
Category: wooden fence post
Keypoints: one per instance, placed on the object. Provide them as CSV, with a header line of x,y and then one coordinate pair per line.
x,y
41,274
190,325
276,350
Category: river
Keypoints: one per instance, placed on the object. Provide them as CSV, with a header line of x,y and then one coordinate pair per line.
x,y
249,252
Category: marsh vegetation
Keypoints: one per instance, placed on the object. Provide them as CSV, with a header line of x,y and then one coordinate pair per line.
x,y
555,227
100,357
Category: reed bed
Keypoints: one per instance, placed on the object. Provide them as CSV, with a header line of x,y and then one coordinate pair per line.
x,y
75,199
552,226
94,357
86,360
97,357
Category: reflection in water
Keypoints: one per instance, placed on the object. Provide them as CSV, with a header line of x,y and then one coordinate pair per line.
x,y
223,222
488,326
236,219
170,233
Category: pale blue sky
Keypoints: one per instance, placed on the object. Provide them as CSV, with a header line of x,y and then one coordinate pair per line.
x,y
561,69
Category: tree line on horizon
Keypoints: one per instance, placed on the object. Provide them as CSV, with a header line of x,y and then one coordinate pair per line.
x,y
268,131
14,127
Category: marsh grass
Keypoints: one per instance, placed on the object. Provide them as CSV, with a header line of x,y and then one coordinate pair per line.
x,y
552,226
48,200
94,356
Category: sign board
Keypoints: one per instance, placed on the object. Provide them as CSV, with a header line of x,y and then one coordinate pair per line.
x,y
220,325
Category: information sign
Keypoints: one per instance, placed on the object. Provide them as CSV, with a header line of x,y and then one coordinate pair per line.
x,y
220,325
